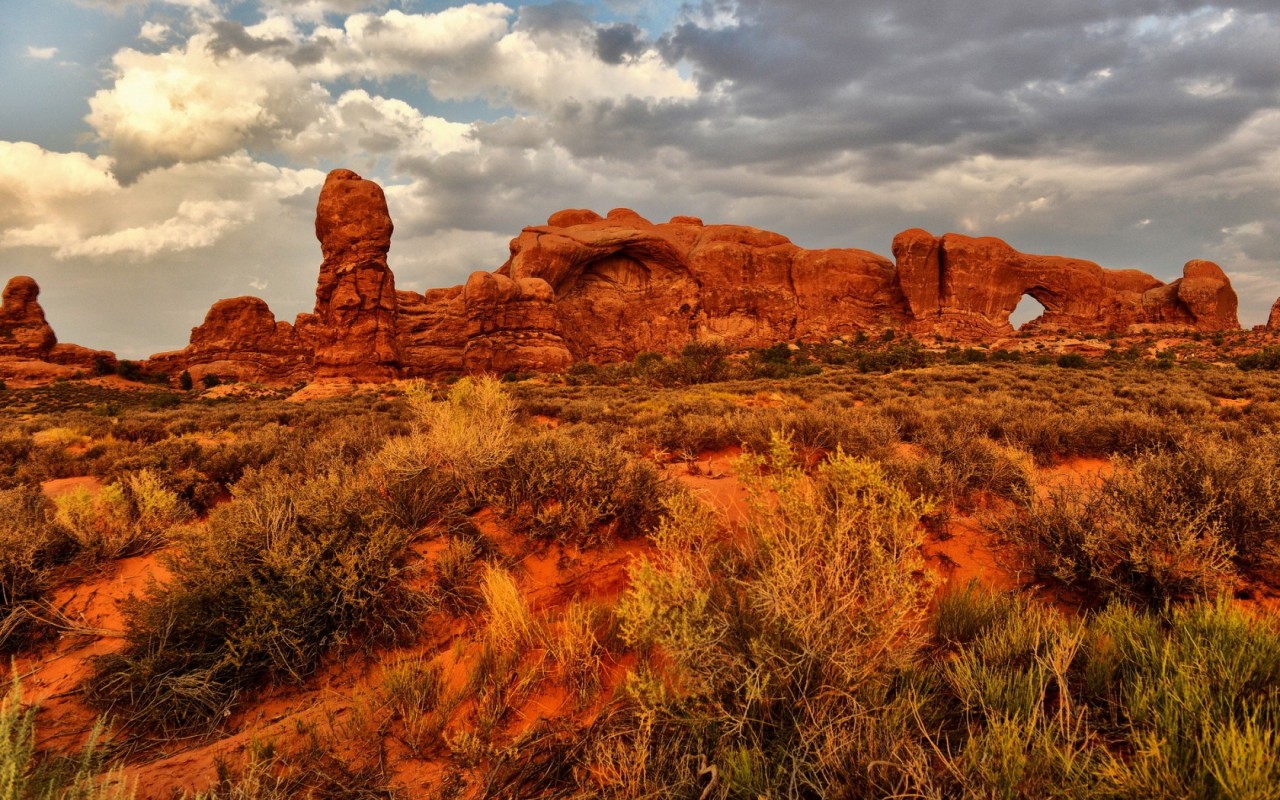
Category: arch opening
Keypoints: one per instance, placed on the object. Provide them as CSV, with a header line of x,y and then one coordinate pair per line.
x,y
1028,309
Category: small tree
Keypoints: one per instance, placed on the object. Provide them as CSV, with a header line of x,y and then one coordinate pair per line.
x,y
184,381
129,370
210,380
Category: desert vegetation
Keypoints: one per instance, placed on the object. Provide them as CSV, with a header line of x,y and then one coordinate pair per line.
x,y
872,570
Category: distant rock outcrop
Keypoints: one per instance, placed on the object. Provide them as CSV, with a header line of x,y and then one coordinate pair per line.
x,y
966,288
623,285
588,288
28,346
24,333
241,337
1273,321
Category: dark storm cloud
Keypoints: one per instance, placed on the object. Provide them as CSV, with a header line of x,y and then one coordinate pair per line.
x,y
617,43
229,35
1140,80
561,16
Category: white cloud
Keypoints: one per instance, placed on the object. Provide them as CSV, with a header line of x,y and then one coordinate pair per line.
x,y
187,105
154,32
375,127
472,51
35,183
71,206
41,53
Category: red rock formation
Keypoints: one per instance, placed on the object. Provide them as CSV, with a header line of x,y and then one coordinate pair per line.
x,y
1273,320
624,285
241,338
511,326
24,332
28,346
432,330
586,287
963,287
353,329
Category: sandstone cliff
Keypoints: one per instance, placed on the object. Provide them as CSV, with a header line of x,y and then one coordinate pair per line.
x,y
588,288
965,287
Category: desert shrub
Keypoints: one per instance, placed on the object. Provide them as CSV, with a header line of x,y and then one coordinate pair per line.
x,y
1267,358
821,427
577,650
773,669
1169,524
909,355
416,691
699,362
294,565
461,440
31,543
308,769
123,518
570,485
26,774
1072,361
225,463
1236,486
960,461
1196,698
961,615
129,370
509,623
1130,540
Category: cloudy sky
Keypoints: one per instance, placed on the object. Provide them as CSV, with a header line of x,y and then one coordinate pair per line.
x,y
157,156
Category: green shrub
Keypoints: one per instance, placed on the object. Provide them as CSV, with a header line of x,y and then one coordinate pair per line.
x,y
1267,358
1072,361
293,566
1169,524
31,544
570,485
129,370
123,518
27,774
774,670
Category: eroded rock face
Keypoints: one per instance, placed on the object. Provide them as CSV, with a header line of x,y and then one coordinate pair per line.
x,y
966,288
28,347
240,337
511,326
623,285
353,329
1273,320
24,332
584,287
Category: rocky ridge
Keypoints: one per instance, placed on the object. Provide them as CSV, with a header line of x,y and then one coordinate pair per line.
x,y
584,287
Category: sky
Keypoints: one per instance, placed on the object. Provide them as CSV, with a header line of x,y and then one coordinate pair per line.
x,y
158,156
